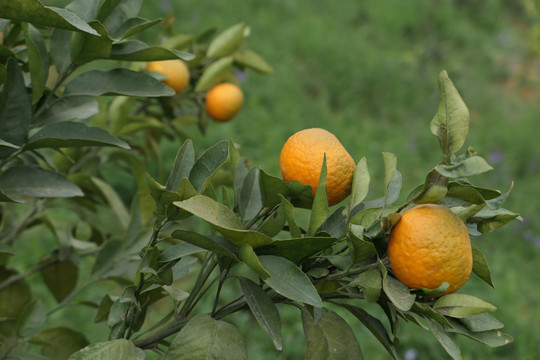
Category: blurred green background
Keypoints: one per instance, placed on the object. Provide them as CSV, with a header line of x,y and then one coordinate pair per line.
x,y
367,71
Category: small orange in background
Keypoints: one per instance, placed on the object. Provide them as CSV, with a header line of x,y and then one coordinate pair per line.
x,y
428,246
302,157
224,101
175,71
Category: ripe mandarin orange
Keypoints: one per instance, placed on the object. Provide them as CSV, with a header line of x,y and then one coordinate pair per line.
x,y
302,157
176,72
428,246
224,101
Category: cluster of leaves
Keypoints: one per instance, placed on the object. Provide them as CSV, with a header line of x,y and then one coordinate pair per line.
x,y
213,220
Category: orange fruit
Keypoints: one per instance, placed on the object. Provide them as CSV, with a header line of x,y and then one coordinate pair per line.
x,y
176,72
224,101
302,157
428,246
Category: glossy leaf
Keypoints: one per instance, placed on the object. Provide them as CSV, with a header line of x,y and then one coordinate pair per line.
x,y
120,349
38,60
60,342
375,326
471,166
286,279
451,123
252,60
208,164
32,319
32,181
214,73
67,108
480,266
215,244
296,249
462,305
135,50
330,338
35,12
72,134
224,220
263,309
320,209
227,42
206,338
15,109
60,278
117,82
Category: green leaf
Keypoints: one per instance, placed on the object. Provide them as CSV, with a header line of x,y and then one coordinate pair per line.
x,y
32,319
72,134
360,184
492,338
135,50
215,244
33,11
370,282
227,42
330,338
427,311
320,209
60,49
248,257
296,249
301,195
224,220
398,293
67,108
117,82
120,349
133,26
60,342
26,180
271,189
60,278
392,179
250,203
481,322
480,266
15,109
375,326
489,220
251,59
451,123
434,189
361,249
289,215
114,200
178,251
208,164
274,223
38,60
263,309
214,73
86,48
15,296
462,305
286,279
183,163
206,338
471,166
448,345
105,263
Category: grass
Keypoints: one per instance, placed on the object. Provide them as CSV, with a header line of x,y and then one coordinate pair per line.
x,y
368,73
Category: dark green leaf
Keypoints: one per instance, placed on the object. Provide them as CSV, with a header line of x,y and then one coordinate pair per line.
x,y
360,248
370,282
183,163
448,345
462,305
427,311
471,166
105,259
178,251
67,108
492,338
206,338
274,223
301,195
240,174
60,278
72,134
251,59
286,279
289,215
296,249
320,209
451,123
133,26
214,73
86,48
15,109
264,310
60,49
480,266
224,220
334,225
15,296
33,181
60,342
113,13
250,196
227,42
208,164
330,338
6,249
248,257
375,326
213,243
114,200
398,293
481,322
392,179
38,60
117,82
35,12
434,189
120,349
360,185
135,50
32,319
489,220
271,189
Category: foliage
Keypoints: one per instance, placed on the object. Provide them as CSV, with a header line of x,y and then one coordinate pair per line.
x,y
70,124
